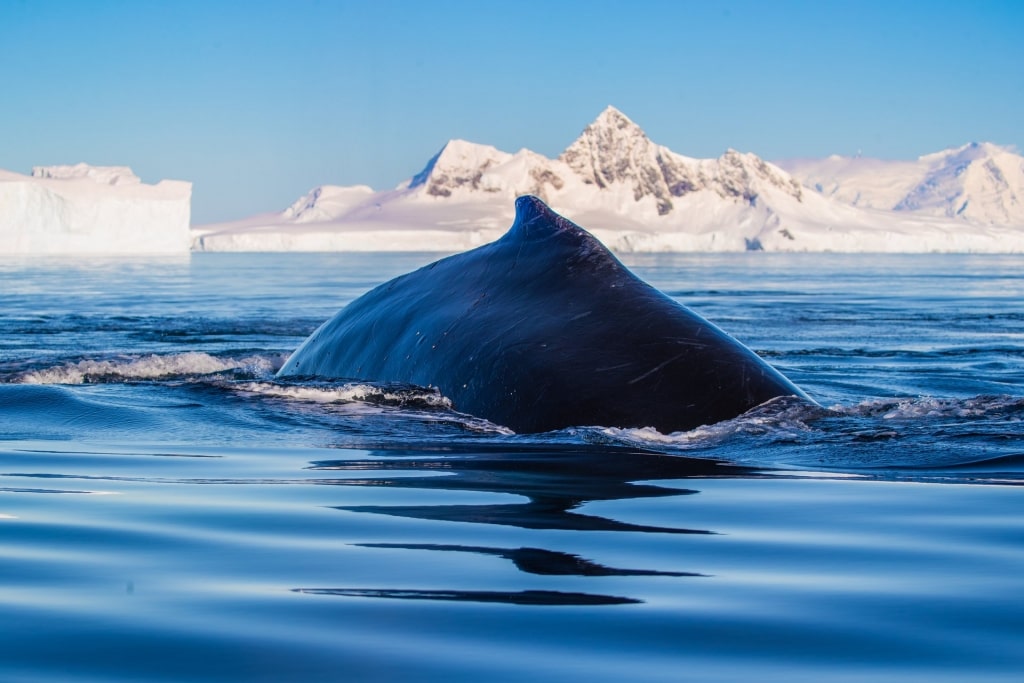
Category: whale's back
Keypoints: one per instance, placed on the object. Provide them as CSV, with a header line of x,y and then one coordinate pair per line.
x,y
539,330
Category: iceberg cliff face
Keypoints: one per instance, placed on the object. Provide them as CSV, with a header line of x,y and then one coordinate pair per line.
x,y
86,209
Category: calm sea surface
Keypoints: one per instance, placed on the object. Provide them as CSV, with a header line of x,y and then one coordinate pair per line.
x,y
170,512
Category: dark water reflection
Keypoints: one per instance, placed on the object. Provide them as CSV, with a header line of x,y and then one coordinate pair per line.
x,y
554,482
536,560
531,597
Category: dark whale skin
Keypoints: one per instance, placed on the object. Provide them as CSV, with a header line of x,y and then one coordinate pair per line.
x,y
541,330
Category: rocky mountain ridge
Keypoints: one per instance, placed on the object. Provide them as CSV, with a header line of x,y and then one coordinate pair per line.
x,y
611,154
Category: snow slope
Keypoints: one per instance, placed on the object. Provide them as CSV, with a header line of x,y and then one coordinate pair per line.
x,y
980,183
86,209
633,194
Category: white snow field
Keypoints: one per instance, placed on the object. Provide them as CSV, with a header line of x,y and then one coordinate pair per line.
x,y
979,183
84,209
638,196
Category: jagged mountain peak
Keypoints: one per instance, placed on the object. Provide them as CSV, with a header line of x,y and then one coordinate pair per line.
x,y
612,118
614,158
612,132
458,163
612,150
612,155
748,170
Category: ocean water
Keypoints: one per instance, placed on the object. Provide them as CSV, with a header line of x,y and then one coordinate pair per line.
x,y
170,512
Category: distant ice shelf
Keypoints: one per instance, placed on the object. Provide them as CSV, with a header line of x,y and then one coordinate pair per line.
x,y
83,209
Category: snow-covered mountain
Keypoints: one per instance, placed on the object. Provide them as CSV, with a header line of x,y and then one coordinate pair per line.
x,y
614,153
86,209
632,193
979,183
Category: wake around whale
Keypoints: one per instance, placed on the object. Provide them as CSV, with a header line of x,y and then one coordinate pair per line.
x,y
541,330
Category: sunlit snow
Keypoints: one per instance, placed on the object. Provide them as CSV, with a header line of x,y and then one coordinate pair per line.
x,y
634,195
86,209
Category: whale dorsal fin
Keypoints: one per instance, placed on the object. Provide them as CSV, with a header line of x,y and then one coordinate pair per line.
x,y
537,223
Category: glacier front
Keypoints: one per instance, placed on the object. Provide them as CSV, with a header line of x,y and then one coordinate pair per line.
x,y
83,209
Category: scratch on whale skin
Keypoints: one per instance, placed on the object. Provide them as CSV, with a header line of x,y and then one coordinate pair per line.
x,y
657,367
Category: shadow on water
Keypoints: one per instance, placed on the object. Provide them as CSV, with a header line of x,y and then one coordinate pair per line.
x,y
554,482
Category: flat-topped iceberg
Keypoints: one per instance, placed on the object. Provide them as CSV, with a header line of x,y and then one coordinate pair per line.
x,y
85,209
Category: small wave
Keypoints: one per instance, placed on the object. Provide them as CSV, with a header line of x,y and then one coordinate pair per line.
x,y
1000,463
910,354
781,418
150,367
418,404
878,434
929,407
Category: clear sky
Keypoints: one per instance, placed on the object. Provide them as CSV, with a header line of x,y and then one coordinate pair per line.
x,y
257,102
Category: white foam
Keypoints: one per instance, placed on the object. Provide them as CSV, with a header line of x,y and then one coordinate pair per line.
x,y
148,367
346,393
916,408
777,416
427,404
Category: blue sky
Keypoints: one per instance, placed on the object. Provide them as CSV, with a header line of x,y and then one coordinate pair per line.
x,y
257,102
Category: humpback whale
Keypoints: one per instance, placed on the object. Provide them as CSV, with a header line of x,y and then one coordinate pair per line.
x,y
540,330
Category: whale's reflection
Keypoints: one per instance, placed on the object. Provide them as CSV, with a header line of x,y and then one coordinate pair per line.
x,y
535,560
555,482
527,597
